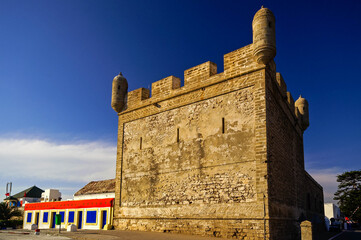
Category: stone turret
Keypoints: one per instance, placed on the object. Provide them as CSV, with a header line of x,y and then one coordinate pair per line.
x,y
119,92
302,105
264,36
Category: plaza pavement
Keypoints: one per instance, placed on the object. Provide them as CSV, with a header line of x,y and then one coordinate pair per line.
x,y
50,234
21,234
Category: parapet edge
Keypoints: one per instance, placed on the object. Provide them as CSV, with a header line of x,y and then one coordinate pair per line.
x,y
236,63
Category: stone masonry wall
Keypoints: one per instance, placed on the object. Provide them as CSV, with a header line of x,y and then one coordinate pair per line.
x,y
186,156
289,183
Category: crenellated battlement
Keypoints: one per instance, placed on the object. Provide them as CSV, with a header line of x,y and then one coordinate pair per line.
x,y
240,61
165,86
281,85
251,58
136,96
199,73
291,102
298,109
236,63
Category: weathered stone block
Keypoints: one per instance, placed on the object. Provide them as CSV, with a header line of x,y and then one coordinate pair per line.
x,y
281,85
200,72
135,97
165,86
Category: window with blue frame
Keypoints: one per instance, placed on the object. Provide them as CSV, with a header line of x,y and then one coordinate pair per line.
x,y
45,217
28,218
62,213
91,217
71,217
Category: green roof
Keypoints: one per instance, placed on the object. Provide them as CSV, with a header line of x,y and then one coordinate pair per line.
x,y
33,192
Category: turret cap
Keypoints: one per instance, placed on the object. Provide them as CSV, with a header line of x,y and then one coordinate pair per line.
x,y
262,12
300,101
119,76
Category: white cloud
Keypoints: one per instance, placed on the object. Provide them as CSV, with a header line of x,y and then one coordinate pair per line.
x,y
26,162
327,178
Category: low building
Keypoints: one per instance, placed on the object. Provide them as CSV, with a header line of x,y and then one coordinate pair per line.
x,y
85,214
92,208
30,195
332,211
97,190
51,195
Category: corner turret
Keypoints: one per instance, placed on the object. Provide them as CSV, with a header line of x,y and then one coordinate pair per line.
x,y
119,92
264,36
302,105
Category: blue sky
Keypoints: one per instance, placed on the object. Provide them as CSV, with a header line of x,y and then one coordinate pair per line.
x,y
58,59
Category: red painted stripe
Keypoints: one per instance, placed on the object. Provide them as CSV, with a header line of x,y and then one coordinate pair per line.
x,y
89,203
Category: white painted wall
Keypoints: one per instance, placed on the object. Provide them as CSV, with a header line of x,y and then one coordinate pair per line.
x,y
95,196
332,211
51,195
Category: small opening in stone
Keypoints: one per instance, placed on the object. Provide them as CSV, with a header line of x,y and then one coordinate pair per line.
x,y
223,126
140,143
269,24
178,135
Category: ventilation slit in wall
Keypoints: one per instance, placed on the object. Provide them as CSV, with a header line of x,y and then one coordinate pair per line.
x,y
177,134
140,143
223,126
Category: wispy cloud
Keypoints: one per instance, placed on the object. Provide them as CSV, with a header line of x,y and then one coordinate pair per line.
x,y
66,166
327,178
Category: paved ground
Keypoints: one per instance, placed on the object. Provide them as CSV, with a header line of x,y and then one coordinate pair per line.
x,y
25,235
20,234
348,235
96,235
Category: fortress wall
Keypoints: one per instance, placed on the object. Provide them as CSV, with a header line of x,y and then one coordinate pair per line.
x,y
284,156
285,148
192,159
289,183
182,156
226,228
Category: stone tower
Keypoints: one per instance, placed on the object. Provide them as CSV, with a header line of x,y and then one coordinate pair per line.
x,y
119,92
221,155
264,36
302,111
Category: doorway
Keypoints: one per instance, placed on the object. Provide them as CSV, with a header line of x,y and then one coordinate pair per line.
x,y
80,219
37,219
52,224
104,219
